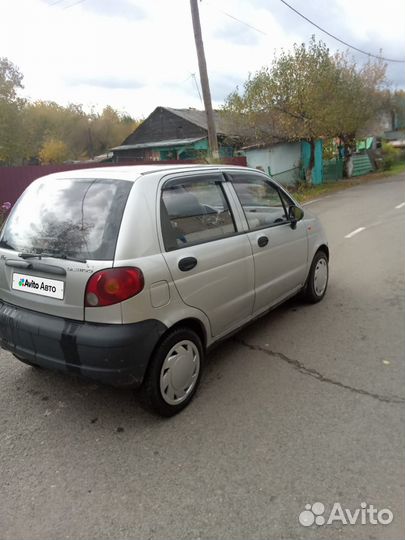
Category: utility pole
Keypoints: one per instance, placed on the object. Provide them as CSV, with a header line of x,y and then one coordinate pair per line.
x,y
91,149
202,65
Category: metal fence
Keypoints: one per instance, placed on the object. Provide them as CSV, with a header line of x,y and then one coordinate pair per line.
x,y
289,177
13,180
332,170
361,164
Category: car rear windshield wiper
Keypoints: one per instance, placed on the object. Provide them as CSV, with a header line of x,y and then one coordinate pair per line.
x,y
5,244
28,255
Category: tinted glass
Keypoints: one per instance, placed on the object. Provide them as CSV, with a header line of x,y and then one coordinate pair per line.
x,y
77,218
194,212
260,200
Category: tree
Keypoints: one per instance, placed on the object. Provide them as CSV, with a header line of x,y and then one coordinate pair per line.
x,y
11,106
54,151
309,94
49,132
109,129
85,135
45,120
10,80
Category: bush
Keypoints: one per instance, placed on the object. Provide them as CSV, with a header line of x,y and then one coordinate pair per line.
x,y
53,151
4,209
390,156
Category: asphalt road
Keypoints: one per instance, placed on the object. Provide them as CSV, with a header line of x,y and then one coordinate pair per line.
x,y
306,405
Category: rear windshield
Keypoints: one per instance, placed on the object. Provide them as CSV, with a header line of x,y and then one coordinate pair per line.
x,y
72,217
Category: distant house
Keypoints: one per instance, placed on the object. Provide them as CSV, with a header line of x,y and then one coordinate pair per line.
x,y
280,160
285,161
396,138
175,134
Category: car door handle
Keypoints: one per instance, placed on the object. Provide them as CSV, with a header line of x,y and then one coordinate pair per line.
x,y
188,263
262,241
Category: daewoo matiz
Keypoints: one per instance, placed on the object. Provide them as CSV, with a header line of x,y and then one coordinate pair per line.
x,y
127,275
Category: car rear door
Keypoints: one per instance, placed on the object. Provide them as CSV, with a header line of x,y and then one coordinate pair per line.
x,y
209,256
279,250
60,232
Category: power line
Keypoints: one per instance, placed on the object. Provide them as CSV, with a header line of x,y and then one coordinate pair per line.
x,y
188,78
74,4
311,22
341,40
192,76
243,22
196,85
66,7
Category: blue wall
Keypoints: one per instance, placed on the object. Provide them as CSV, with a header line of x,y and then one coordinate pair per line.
x,y
317,172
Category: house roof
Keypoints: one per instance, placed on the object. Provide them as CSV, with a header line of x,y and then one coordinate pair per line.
x,y
158,144
394,135
266,144
199,118
235,129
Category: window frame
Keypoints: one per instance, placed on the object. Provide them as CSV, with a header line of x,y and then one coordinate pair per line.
x,y
214,178
267,180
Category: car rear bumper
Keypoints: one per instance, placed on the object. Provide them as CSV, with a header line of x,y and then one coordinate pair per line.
x,y
116,354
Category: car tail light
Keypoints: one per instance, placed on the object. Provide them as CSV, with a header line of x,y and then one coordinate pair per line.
x,y
113,285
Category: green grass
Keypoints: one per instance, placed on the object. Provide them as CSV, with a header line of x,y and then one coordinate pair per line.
x,y
398,168
308,193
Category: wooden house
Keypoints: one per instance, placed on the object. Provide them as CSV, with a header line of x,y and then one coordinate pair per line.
x,y
175,134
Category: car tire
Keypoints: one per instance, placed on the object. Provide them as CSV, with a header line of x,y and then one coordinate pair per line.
x,y
174,372
318,277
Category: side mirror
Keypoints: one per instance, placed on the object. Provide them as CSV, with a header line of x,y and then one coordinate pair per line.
x,y
295,214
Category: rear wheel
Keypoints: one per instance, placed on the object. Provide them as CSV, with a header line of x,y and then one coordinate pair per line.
x,y
174,372
318,277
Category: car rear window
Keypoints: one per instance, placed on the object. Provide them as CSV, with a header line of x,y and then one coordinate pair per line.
x,y
73,217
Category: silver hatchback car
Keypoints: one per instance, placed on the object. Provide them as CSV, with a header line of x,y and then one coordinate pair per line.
x,y
128,275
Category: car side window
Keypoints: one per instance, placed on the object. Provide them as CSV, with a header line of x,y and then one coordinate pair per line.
x,y
193,212
260,200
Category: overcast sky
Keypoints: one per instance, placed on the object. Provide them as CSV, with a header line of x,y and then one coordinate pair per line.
x,y
138,54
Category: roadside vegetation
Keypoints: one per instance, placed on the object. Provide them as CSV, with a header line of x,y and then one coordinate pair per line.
x,y
45,132
305,94
391,156
308,94
305,193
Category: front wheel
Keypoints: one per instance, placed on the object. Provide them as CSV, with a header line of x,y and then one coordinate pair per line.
x,y
318,277
174,372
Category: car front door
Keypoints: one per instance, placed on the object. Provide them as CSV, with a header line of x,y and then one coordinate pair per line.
x,y
208,254
280,250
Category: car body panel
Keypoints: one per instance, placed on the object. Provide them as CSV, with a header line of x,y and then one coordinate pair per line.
x,y
222,283
281,265
70,306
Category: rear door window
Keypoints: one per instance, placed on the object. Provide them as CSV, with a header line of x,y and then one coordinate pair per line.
x,y
71,217
194,211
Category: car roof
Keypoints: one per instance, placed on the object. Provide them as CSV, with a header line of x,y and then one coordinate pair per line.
x,y
132,172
